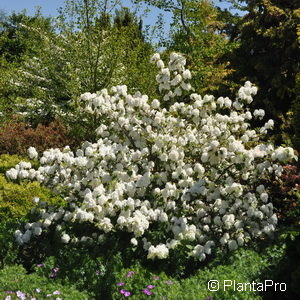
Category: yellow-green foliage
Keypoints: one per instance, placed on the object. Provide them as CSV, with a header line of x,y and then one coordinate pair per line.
x,y
9,161
16,198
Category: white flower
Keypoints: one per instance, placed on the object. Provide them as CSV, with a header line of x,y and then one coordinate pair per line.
x,y
186,74
227,102
26,236
134,241
36,200
160,64
163,217
178,91
155,104
12,174
232,245
155,57
47,223
160,251
37,231
174,155
198,250
259,113
269,124
240,240
32,153
260,189
220,101
177,79
264,197
65,238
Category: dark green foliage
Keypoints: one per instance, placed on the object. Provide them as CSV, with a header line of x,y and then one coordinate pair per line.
x,y
16,38
88,268
99,269
242,266
296,109
287,267
21,38
8,246
268,54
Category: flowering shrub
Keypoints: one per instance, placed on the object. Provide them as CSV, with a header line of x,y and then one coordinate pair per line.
x,y
171,173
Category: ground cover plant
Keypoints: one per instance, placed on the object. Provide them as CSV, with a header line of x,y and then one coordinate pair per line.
x,y
16,284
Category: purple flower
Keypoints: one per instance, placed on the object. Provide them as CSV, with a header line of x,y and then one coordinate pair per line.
x,y
39,265
97,272
7,298
120,283
156,277
169,282
38,290
130,273
56,293
150,286
125,293
147,292
54,272
9,292
21,295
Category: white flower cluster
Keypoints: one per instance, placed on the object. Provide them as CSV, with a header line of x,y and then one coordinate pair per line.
x,y
189,169
173,80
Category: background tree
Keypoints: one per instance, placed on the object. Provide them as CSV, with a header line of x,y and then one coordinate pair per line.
x,y
268,56
199,32
86,50
134,57
18,43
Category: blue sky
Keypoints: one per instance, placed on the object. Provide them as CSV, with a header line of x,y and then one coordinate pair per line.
x,y
49,8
